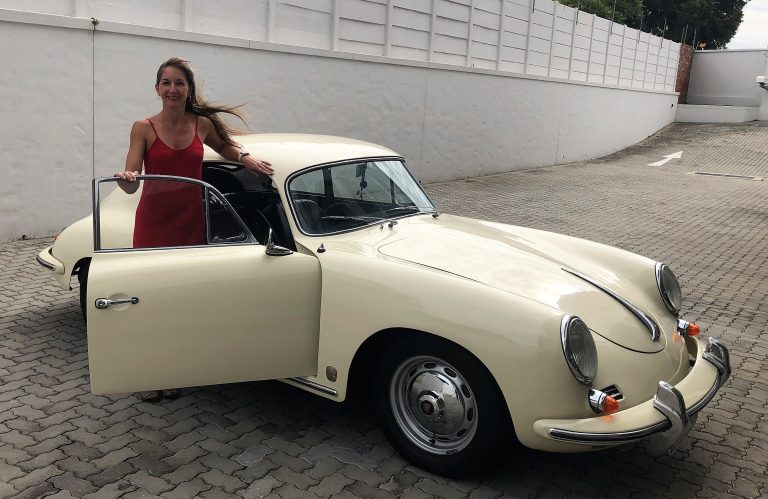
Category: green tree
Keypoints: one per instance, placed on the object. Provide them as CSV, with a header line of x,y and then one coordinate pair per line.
x,y
626,10
713,22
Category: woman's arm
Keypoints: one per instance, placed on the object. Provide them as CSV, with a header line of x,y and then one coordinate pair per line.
x,y
230,152
135,158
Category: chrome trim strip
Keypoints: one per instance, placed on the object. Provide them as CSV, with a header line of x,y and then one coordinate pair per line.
x,y
314,386
646,319
659,267
565,325
44,263
715,353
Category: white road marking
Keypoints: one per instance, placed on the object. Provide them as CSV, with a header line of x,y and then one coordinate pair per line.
x,y
667,158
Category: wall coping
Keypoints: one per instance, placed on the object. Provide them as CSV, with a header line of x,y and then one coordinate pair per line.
x,y
721,51
81,23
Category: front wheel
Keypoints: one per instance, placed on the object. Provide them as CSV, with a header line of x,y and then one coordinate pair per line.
x,y
440,408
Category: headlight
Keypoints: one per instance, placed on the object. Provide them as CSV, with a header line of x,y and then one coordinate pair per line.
x,y
669,287
579,349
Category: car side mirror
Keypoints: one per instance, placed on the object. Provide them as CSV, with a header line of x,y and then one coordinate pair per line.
x,y
273,249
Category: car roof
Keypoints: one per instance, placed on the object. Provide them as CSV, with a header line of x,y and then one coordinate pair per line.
x,y
289,152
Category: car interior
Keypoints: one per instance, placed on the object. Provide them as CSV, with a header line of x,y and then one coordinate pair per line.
x,y
327,200
255,200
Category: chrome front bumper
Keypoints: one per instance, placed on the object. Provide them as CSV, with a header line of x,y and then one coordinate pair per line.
x,y
668,401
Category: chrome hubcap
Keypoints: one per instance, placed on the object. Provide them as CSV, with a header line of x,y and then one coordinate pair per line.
x,y
433,405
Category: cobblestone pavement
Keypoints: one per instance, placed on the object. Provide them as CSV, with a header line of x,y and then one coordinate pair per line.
x,y
268,439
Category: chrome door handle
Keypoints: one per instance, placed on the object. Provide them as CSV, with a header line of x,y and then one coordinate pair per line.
x,y
102,303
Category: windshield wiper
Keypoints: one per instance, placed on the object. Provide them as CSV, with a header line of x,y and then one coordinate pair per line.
x,y
413,208
351,218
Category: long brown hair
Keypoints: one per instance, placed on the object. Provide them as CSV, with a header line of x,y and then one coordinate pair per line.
x,y
197,105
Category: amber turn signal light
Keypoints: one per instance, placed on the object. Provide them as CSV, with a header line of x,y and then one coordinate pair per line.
x,y
693,329
610,405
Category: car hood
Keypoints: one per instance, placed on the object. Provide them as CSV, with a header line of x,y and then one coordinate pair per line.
x,y
498,258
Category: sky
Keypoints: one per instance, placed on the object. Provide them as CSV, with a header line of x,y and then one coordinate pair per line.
x,y
753,30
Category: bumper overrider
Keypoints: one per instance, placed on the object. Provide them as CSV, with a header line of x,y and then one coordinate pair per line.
x,y
47,260
666,417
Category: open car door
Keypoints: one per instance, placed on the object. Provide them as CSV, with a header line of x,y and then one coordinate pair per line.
x,y
181,294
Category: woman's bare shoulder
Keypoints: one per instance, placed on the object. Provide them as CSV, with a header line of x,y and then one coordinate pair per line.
x,y
204,124
141,126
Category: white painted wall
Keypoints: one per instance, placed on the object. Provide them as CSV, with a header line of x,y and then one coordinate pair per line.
x,y
538,37
73,93
727,77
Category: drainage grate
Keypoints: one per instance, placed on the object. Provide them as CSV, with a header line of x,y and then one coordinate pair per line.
x,y
728,175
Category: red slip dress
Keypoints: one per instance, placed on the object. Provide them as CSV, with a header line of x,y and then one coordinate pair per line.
x,y
171,213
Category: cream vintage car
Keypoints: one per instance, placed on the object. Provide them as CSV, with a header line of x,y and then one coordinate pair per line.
x,y
338,274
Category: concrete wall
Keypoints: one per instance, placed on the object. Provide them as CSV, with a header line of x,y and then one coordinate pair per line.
x,y
538,37
727,77
71,93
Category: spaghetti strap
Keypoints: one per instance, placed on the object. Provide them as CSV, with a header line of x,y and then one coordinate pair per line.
x,y
153,127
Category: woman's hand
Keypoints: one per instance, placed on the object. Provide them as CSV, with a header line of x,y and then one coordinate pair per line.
x,y
128,176
127,181
257,165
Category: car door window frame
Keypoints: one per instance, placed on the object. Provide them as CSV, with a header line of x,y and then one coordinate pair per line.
x,y
208,190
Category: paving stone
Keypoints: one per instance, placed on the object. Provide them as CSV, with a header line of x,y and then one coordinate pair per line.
x,y
71,483
289,491
36,491
42,460
155,467
253,454
183,441
79,449
112,491
112,474
187,489
330,485
324,469
257,470
225,465
143,480
87,438
12,455
150,449
184,456
287,475
220,448
294,463
260,488
78,467
217,493
217,479
17,439
185,472
115,457
35,477
8,472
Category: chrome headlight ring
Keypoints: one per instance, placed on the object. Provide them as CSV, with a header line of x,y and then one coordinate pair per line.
x,y
579,349
669,288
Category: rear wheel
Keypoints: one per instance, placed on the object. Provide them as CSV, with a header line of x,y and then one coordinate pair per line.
x,y
82,278
439,407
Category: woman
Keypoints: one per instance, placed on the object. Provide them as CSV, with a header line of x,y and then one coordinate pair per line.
x,y
171,143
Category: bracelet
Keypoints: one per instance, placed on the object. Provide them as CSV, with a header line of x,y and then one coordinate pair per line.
x,y
241,154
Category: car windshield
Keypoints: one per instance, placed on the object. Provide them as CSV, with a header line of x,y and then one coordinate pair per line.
x,y
342,197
